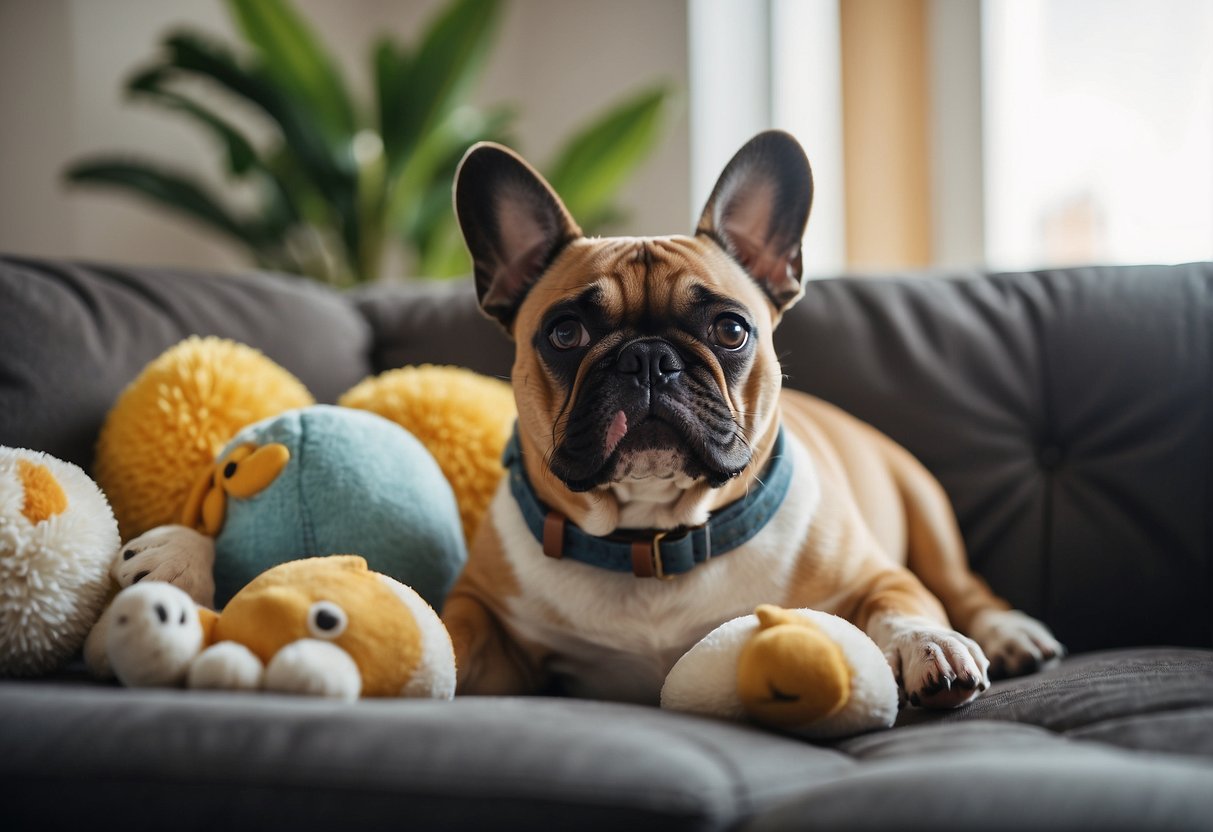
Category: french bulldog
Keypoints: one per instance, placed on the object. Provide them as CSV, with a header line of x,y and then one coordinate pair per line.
x,y
661,482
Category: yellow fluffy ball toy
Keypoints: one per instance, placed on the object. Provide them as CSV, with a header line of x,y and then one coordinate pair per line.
x,y
185,406
464,419
175,416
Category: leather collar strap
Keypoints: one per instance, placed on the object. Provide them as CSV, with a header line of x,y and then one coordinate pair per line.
x,y
654,553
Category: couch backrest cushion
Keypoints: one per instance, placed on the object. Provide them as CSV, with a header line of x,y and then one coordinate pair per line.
x,y
73,335
1068,414
433,322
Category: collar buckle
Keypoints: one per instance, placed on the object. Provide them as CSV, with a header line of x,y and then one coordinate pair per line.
x,y
646,558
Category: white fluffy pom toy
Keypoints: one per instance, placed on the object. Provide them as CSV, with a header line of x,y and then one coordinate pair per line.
x,y
57,540
803,672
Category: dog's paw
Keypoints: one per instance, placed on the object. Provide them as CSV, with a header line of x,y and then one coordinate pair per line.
x,y
1014,642
176,555
935,667
154,633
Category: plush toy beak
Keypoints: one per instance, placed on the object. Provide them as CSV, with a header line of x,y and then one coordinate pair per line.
x,y
44,496
245,472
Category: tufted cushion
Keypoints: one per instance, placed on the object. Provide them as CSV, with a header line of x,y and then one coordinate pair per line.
x,y
1000,777
1068,415
1155,699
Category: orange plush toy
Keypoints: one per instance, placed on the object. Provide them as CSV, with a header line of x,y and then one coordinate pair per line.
x,y
323,626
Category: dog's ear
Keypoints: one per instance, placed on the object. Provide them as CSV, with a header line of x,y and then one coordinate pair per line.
x,y
758,210
513,223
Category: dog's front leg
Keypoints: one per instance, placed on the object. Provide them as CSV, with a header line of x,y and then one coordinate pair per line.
x,y
487,660
935,666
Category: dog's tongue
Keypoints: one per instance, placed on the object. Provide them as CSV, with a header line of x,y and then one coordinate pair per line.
x,y
616,432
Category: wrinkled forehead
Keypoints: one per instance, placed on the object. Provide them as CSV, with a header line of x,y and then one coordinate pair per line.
x,y
629,278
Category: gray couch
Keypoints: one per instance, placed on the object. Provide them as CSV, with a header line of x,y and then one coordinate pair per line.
x,y
1069,414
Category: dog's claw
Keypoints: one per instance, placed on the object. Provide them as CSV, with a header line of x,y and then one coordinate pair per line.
x,y
941,668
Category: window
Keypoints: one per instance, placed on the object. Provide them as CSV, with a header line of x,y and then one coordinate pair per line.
x,y
1098,131
1043,132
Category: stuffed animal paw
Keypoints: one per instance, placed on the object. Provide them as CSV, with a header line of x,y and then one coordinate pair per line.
x,y
801,671
323,626
169,554
173,554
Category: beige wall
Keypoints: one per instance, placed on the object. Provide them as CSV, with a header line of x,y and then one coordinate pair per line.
x,y
62,63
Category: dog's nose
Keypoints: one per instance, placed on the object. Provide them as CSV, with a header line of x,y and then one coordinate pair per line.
x,y
651,361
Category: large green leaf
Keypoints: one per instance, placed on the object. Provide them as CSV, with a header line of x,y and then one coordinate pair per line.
x,y
447,62
602,155
445,255
390,62
170,189
297,62
240,152
330,170
432,163
328,196
202,57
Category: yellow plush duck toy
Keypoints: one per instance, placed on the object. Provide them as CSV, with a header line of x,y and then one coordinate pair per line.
x,y
324,626
803,672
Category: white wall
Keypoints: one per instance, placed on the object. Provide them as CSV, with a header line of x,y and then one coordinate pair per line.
x,y
62,64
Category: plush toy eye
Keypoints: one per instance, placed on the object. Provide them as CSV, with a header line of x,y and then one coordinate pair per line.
x,y
730,332
568,334
326,620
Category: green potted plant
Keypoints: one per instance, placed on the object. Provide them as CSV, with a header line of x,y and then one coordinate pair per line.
x,y
338,181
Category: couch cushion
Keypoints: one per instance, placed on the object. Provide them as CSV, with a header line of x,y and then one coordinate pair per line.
x,y
1152,699
75,334
431,322
211,760
1067,413
190,760
1000,777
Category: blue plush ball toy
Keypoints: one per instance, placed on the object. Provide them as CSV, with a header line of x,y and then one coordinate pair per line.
x,y
330,480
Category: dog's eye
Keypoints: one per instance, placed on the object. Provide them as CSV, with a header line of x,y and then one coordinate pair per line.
x,y
326,620
730,332
568,334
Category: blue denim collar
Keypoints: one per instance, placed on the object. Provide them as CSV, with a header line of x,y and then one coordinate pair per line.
x,y
654,553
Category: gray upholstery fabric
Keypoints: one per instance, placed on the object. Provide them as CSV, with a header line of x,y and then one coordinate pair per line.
x,y
206,760
74,334
433,322
1060,788
200,760
1152,699
1068,415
